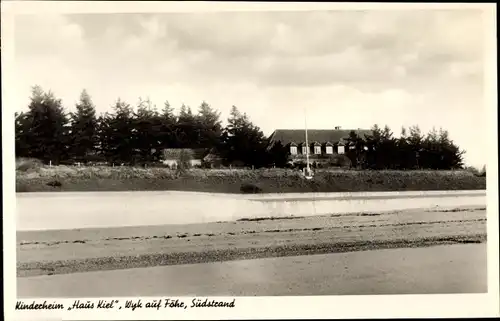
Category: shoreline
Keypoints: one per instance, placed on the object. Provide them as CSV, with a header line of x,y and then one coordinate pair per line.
x,y
80,250
181,258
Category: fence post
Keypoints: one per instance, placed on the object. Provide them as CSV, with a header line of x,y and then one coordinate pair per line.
x,y
50,163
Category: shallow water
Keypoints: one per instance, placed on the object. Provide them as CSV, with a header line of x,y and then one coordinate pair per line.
x,y
51,211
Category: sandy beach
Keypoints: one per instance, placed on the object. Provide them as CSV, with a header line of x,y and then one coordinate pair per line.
x,y
82,250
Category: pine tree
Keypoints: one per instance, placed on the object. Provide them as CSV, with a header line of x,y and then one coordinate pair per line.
x,y
84,137
185,113
119,133
403,150
187,128
168,134
387,151
168,112
147,127
209,125
451,154
414,141
430,155
47,138
105,133
278,155
355,151
373,142
22,130
243,141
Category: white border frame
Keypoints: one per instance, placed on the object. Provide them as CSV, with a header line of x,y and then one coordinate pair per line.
x,y
402,306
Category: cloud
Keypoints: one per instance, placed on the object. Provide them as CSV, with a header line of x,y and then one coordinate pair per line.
x,y
365,49
368,50
47,35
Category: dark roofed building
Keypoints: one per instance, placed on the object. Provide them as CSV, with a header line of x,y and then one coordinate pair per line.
x,y
197,157
213,158
322,142
287,136
172,156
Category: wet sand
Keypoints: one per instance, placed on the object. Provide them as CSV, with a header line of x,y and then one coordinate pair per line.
x,y
69,251
433,270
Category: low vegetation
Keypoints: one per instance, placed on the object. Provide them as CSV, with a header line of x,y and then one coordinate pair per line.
x,y
476,171
28,164
105,178
250,189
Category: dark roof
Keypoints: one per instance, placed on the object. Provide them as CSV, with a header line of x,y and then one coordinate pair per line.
x,y
174,153
322,136
212,155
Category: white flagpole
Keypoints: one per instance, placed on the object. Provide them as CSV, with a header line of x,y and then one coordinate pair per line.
x,y
307,143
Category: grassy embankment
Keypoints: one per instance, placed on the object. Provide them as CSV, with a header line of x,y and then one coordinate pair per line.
x,y
33,177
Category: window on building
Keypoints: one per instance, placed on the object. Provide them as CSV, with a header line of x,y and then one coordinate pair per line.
x,y
317,150
304,150
329,149
341,150
293,150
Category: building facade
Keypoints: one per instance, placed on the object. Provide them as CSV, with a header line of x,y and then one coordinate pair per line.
x,y
198,157
192,157
323,144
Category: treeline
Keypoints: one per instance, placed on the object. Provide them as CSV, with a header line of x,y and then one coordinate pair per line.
x,y
412,150
137,135
131,135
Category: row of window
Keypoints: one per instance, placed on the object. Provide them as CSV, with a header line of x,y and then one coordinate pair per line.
x,y
317,150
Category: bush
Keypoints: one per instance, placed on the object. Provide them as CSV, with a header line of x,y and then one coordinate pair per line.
x,y
483,172
27,164
477,172
249,188
184,161
340,161
54,183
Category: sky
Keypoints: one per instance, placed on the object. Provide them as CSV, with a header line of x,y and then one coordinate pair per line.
x,y
340,68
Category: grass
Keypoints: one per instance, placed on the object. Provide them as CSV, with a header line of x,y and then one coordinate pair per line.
x,y
28,164
34,177
481,172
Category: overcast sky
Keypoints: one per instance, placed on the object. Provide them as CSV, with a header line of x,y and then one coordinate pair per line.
x,y
348,68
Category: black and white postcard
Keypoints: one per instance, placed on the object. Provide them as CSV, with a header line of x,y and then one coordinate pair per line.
x,y
219,160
